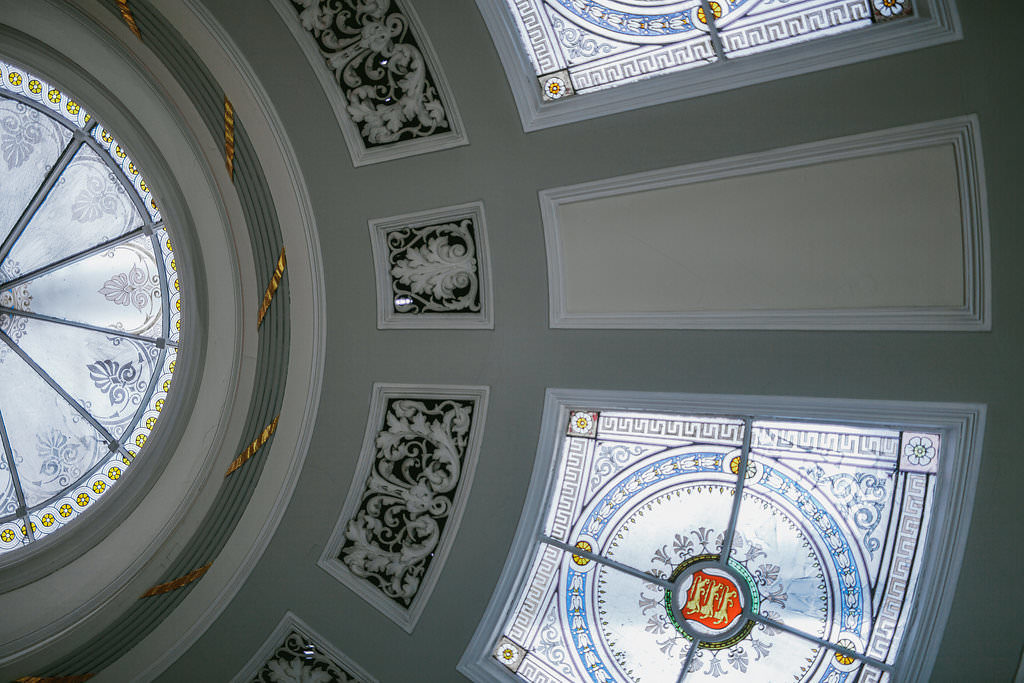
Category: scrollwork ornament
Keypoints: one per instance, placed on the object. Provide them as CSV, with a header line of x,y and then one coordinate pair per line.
x,y
409,494
298,660
375,59
434,268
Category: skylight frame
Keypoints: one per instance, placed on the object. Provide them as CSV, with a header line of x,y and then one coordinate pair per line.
x,y
88,133
934,22
961,426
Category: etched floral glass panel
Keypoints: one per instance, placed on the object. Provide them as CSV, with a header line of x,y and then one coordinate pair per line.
x,y
89,310
577,47
684,547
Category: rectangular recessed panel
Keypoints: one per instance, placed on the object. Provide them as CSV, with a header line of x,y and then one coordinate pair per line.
x,y
882,230
878,231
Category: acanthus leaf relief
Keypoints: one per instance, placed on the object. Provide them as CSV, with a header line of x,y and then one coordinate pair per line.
x,y
408,495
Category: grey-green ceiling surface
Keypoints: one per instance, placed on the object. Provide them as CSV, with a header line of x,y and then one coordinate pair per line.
x,y
505,168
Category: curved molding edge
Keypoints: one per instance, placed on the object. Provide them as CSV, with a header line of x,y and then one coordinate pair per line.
x,y
294,432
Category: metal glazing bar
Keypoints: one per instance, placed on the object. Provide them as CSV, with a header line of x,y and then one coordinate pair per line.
x,y
15,477
741,475
127,237
600,559
820,641
58,388
165,295
716,40
689,658
40,196
84,326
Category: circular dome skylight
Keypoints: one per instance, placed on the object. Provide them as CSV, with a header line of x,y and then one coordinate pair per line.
x,y
89,310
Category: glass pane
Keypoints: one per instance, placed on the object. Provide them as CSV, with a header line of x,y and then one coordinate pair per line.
x,y
8,496
107,141
52,444
819,521
11,535
118,288
787,568
173,308
140,433
759,25
57,512
766,655
18,81
30,143
108,375
605,449
599,46
627,617
86,207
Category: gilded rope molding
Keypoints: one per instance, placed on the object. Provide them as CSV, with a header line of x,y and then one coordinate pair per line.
x,y
229,137
177,583
275,282
253,447
129,18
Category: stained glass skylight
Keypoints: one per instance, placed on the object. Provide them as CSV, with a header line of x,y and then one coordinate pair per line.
x,y
90,310
677,547
580,46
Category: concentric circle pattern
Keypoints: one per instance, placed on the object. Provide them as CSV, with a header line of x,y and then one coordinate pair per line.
x,y
724,548
90,310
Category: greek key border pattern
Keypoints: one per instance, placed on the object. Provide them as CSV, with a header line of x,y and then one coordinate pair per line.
x,y
796,25
573,482
644,61
668,431
875,449
528,614
898,582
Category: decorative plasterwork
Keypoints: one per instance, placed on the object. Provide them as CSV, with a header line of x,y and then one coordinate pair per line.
x,y
433,269
962,427
962,133
934,22
380,74
407,496
294,652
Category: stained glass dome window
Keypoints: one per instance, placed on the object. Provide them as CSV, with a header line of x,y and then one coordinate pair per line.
x,y
90,310
689,548
580,46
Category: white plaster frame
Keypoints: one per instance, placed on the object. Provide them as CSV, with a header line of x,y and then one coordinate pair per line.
x,y
962,426
973,315
406,618
290,622
360,153
387,318
936,22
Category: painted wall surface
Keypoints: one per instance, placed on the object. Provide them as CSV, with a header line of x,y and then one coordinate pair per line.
x,y
883,230
522,356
